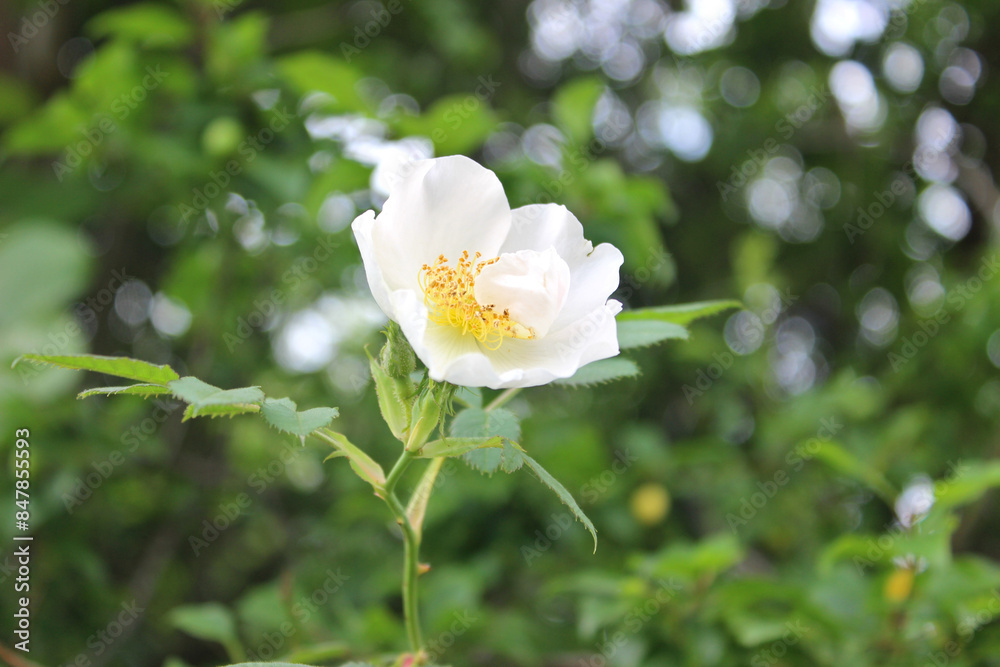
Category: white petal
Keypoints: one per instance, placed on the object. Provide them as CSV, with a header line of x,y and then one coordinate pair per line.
x,y
449,355
453,357
362,227
593,271
542,226
392,161
439,207
562,353
591,282
530,285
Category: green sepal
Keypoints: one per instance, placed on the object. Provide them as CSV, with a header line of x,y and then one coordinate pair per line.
x,y
426,415
395,398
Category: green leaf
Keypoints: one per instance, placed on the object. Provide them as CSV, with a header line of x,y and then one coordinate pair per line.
x,y
967,482
479,423
848,464
567,499
599,372
48,129
366,468
209,400
290,664
486,460
148,24
708,557
138,389
573,107
682,314
219,410
643,333
235,45
130,369
40,294
446,447
511,457
281,414
310,71
417,507
210,621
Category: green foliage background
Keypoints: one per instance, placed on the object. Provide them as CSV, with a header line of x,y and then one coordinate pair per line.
x,y
780,546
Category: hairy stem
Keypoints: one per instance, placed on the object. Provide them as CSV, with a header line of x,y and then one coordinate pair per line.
x,y
411,553
502,399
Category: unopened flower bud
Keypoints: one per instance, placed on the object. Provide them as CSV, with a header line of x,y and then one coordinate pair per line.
x,y
397,356
395,398
426,415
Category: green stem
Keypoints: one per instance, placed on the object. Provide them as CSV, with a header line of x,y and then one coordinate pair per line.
x,y
411,553
502,399
397,471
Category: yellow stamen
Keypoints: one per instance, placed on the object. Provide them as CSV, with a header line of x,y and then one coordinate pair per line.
x,y
450,296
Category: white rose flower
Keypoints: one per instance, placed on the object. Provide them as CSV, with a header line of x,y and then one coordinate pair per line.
x,y
488,296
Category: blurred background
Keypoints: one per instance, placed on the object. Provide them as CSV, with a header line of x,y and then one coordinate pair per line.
x,y
807,481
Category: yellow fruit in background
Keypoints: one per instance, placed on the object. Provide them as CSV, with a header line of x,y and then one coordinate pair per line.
x,y
898,585
650,503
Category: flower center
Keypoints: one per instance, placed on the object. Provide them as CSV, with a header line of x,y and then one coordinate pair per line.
x,y
450,296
